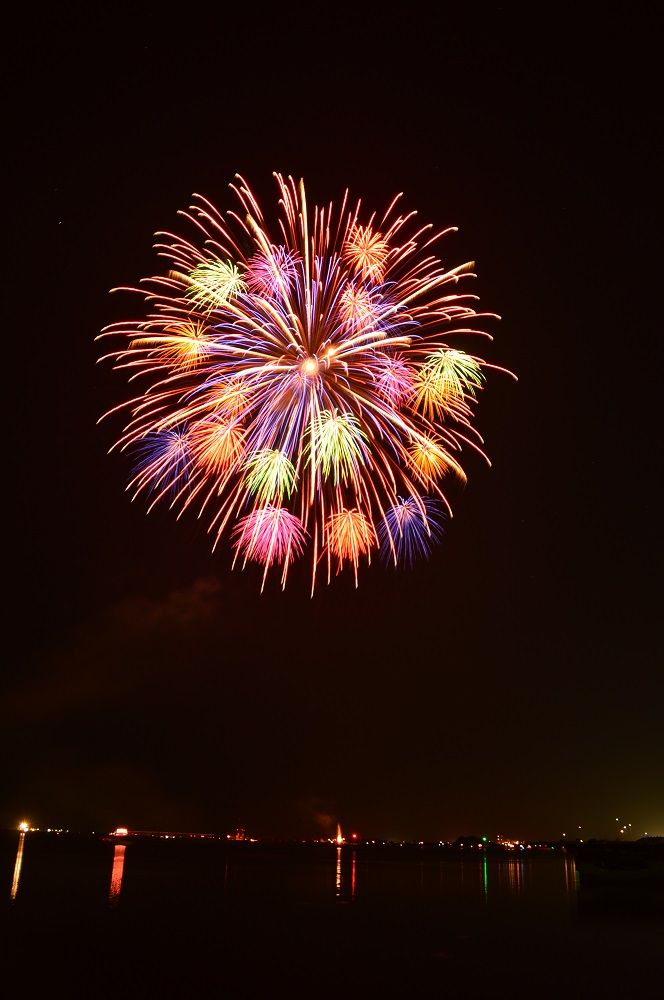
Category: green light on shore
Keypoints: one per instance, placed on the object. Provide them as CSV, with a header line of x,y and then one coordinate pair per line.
x,y
484,840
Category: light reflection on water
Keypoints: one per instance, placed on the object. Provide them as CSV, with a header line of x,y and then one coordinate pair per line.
x,y
345,881
515,876
238,909
506,877
116,872
571,876
18,864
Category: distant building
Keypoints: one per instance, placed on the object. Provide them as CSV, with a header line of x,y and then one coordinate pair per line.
x,y
238,834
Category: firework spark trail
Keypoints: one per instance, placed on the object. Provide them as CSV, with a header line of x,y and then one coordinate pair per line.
x,y
302,387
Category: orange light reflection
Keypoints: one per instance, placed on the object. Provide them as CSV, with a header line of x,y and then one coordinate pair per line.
x,y
116,872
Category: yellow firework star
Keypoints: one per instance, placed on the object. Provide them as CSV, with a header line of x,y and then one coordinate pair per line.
x,y
338,445
270,475
431,461
213,282
367,251
181,347
446,380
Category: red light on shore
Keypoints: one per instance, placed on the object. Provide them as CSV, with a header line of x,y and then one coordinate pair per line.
x,y
353,836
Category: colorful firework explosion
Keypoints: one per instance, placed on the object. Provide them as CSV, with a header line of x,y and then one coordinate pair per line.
x,y
302,388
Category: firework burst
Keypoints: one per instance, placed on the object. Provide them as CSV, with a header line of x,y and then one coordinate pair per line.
x,y
409,529
302,388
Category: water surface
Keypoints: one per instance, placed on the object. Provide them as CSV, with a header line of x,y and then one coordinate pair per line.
x,y
243,920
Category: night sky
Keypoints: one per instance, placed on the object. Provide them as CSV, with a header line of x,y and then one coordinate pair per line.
x,y
510,685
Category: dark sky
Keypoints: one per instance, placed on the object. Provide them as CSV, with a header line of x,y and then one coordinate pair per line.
x,y
512,684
